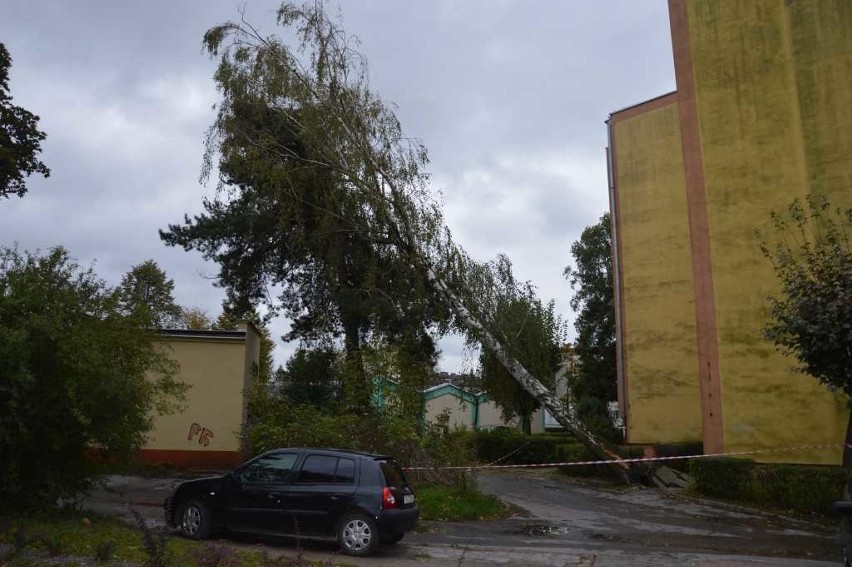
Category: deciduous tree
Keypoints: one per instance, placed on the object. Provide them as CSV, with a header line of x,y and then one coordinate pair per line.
x,y
20,138
147,293
592,383
811,318
330,125
77,375
533,334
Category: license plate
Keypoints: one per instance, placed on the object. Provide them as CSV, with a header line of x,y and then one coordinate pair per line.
x,y
408,499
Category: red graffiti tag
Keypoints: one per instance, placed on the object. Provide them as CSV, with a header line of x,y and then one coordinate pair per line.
x,y
204,434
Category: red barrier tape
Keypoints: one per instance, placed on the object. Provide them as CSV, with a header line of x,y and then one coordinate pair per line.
x,y
637,460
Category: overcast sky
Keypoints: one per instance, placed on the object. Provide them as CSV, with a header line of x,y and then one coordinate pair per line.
x,y
510,97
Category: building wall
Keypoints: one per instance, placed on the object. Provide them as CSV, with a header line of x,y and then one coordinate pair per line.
x,y
206,433
489,417
461,412
657,323
773,90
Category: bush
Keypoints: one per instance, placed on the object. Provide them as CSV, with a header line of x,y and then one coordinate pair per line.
x,y
452,504
75,377
510,447
801,488
275,422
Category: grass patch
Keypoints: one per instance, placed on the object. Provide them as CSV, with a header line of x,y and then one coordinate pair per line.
x,y
87,539
452,504
41,539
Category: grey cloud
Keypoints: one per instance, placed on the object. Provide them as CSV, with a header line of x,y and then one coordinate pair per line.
x,y
510,97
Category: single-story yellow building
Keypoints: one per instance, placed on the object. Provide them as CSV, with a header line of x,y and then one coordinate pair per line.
x,y
218,366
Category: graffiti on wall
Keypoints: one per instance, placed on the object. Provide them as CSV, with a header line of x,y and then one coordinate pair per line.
x,y
204,434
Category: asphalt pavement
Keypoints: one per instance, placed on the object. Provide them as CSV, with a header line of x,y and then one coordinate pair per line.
x,y
558,522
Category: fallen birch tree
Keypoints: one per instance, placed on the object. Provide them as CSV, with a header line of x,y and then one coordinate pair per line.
x,y
328,121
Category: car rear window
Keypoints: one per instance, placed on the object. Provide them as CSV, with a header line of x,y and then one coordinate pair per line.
x,y
394,475
323,469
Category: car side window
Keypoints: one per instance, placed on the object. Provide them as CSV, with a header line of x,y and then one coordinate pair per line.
x,y
275,468
318,469
345,471
323,469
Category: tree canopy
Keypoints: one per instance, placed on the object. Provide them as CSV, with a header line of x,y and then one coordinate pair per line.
x,y
533,334
293,220
77,373
307,132
592,383
147,293
811,317
20,138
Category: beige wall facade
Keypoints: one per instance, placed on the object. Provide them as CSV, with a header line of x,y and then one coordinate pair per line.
x,y
218,367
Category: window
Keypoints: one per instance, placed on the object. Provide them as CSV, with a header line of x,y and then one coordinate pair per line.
x,y
345,471
394,477
322,469
318,469
274,468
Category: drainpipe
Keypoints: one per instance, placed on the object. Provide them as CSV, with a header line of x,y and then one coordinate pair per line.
x,y
616,262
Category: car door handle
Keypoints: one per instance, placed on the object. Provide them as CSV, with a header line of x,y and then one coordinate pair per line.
x,y
274,495
335,497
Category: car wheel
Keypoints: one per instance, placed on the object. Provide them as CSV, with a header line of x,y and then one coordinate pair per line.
x,y
357,535
194,520
391,540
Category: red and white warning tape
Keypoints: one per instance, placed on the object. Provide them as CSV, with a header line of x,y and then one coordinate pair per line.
x,y
636,460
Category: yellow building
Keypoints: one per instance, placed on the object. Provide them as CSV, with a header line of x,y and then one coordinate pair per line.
x,y
218,367
762,115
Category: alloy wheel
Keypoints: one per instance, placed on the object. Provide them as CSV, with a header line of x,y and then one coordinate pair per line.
x,y
191,520
357,534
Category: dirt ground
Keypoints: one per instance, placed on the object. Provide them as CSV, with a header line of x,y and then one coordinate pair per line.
x,y
559,523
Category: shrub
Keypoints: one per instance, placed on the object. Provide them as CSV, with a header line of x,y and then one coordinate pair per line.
x,y
75,377
509,447
451,504
723,477
801,488
275,422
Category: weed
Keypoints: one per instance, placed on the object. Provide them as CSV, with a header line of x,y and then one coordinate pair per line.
x,y
19,539
211,555
153,541
53,543
459,504
104,551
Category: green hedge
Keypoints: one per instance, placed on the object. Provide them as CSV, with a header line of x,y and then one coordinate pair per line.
x,y
801,488
507,447
510,447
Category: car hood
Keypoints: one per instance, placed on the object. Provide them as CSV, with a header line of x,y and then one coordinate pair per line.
x,y
202,484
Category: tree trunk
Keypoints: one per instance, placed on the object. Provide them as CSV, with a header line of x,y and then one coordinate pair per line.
x,y
565,415
847,446
526,425
357,388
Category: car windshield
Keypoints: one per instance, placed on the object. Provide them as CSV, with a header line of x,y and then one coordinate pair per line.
x,y
394,475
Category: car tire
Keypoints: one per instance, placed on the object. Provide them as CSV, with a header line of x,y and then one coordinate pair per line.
x,y
357,535
392,540
193,520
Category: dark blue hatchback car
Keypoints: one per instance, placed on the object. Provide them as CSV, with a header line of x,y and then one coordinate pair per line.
x,y
362,499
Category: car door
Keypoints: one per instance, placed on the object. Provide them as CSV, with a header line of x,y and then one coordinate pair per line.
x,y
322,490
255,496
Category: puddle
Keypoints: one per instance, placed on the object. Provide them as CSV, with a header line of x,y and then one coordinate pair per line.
x,y
539,530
